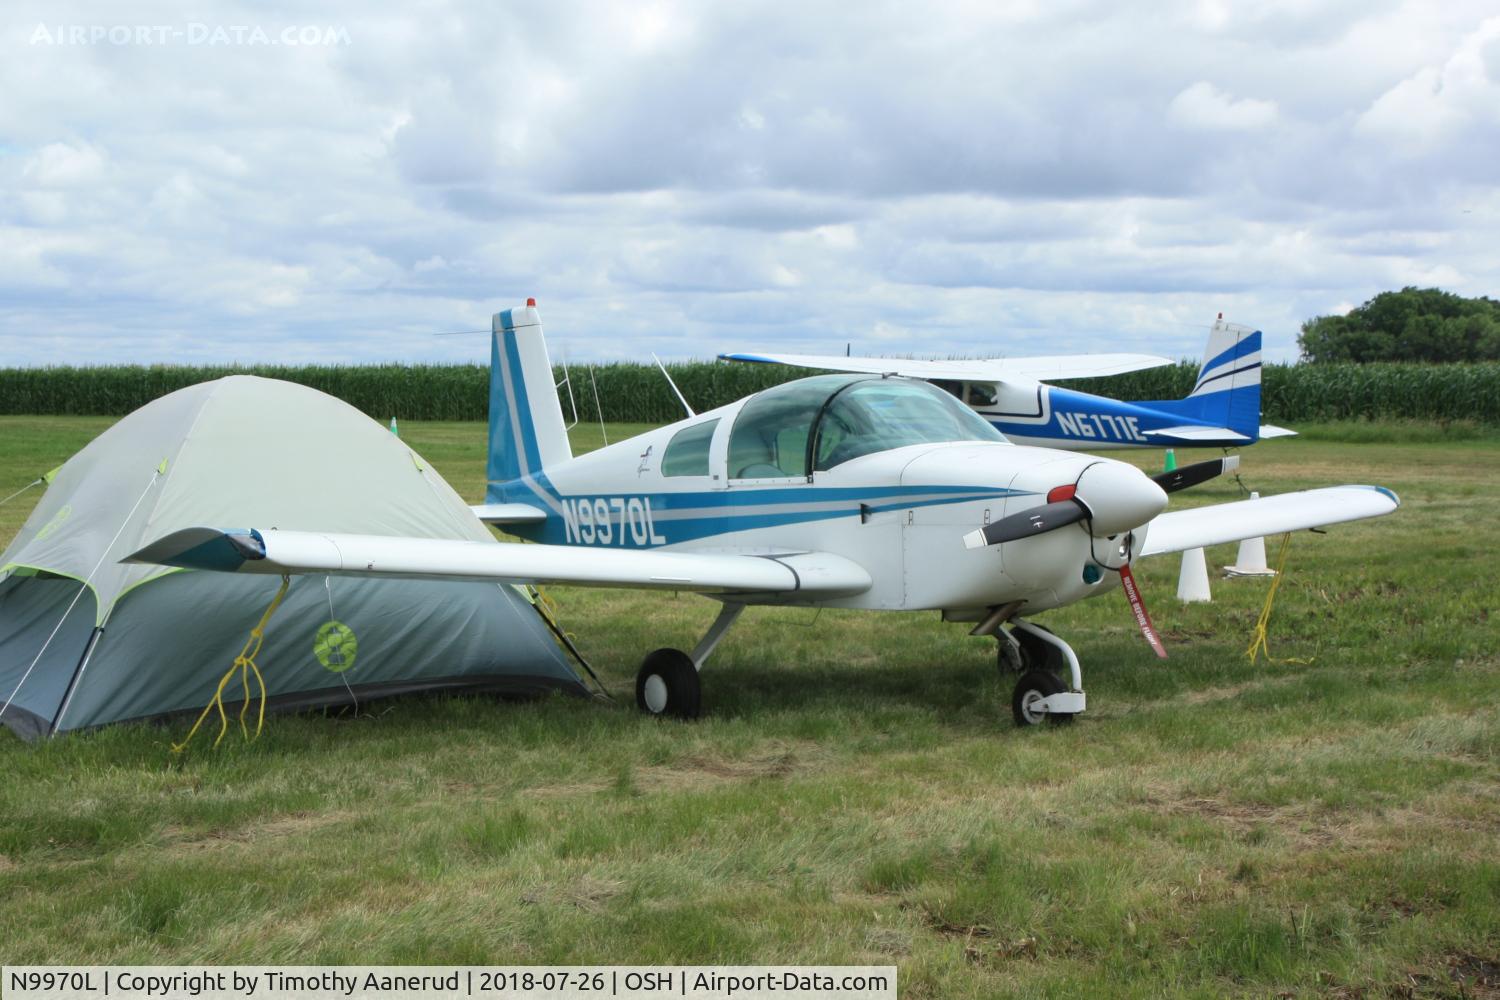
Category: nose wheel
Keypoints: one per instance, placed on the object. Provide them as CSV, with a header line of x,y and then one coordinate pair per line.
x,y
1030,700
1040,694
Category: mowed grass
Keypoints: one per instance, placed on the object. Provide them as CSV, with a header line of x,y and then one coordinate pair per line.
x,y
856,792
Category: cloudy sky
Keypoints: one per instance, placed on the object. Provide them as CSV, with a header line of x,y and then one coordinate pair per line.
x,y
255,183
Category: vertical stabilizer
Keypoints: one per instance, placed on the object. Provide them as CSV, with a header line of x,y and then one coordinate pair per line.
x,y
1227,392
527,433
1232,360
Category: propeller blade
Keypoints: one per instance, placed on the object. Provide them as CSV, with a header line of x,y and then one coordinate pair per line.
x,y
1028,522
1198,472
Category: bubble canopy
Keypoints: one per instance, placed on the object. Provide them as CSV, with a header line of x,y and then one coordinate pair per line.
x,y
816,424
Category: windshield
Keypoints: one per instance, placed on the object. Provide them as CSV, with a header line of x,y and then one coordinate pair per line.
x,y
845,416
882,414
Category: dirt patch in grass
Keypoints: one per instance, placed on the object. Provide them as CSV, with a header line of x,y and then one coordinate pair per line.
x,y
774,762
981,943
564,789
584,893
291,825
1476,978
7,865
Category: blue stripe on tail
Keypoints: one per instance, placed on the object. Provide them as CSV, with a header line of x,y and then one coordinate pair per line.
x,y
513,447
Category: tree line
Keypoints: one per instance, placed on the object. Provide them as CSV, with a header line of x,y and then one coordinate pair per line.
x,y
1414,324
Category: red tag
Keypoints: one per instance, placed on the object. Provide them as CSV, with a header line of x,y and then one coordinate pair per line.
x,y
1138,608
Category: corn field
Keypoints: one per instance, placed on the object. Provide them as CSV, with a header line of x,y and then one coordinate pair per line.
x,y
638,393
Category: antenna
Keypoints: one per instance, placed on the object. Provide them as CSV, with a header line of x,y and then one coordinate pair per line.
x,y
567,380
680,397
597,408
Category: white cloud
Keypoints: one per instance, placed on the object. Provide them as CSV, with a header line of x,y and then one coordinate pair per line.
x,y
62,164
1204,106
961,176
1439,103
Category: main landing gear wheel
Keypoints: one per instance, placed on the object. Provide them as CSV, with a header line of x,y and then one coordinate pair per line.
x,y
1031,689
667,684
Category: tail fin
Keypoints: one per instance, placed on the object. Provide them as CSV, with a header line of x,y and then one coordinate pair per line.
x,y
527,433
1227,392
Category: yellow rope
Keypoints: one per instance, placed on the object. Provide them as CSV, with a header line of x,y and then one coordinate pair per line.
x,y
1262,625
244,664
548,606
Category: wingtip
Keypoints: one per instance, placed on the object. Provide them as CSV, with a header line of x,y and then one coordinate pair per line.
x,y
202,548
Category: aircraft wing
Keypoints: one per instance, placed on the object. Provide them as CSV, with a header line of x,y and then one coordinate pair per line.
x,y
1177,531
980,370
320,554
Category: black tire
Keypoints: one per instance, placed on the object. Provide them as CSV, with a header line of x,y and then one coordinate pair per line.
x,y
1039,654
667,684
1035,685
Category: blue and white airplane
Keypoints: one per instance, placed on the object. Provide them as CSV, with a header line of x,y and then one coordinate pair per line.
x,y
846,491
1223,409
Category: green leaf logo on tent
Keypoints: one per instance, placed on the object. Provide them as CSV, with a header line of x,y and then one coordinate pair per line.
x,y
335,646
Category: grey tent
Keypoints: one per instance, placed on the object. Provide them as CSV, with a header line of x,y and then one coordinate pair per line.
x,y
87,640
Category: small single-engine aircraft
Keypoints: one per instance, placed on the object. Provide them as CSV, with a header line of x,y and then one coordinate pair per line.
x,y
1222,410
844,491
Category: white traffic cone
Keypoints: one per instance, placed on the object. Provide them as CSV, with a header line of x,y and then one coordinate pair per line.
x,y
1192,582
1251,560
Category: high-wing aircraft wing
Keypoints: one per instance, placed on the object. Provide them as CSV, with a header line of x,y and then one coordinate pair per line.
x,y
1035,369
1179,530
317,553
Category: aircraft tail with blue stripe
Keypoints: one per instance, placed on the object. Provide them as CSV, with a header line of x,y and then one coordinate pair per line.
x,y
1227,391
527,432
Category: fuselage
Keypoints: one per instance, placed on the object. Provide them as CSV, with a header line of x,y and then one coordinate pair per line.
x,y
899,512
1051,417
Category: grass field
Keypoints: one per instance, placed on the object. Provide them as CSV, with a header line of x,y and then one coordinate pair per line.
x,y
857,793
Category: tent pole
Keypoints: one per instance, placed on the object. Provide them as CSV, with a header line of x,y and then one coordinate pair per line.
x,y
83,661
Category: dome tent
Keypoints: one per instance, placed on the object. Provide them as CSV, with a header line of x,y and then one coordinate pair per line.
x,y
86,639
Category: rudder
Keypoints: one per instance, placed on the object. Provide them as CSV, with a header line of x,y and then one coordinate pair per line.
x,y
527,433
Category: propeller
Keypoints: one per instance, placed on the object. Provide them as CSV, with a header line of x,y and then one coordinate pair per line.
x,y
1198,472
1124,500
1062,508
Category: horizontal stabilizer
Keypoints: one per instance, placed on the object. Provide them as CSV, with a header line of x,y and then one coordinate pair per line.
x,y
509,513
1272,431
319,554
1177,531
1195,434
979,370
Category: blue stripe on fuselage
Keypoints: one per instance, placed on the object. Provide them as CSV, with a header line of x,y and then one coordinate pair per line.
x,y
692,516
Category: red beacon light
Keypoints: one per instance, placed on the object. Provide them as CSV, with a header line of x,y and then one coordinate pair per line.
x,y
531,303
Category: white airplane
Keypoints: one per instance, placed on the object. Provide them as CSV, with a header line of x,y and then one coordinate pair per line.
x,y
1222,410
843,491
